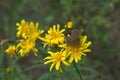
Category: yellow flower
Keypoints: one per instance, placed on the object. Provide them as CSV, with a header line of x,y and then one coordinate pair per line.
x,y
11,50
28,30
25,46
34,31
7,69
55,36
76,52
56,58
70,24
23,29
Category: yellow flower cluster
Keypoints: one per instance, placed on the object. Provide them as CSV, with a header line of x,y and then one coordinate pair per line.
x,y
75,52
62,52
55,36
11,50
28,30
56,58
28,33
62,49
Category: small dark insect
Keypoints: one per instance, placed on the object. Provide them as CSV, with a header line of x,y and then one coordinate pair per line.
x,y
74,39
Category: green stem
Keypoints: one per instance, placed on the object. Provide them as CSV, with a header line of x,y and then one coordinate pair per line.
x,y
78,71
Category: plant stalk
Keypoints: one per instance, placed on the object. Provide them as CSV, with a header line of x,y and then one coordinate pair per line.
x,y
77,71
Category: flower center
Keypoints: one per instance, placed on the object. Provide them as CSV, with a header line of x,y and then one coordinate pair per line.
x,y
56,35
57,57
35,35
75,49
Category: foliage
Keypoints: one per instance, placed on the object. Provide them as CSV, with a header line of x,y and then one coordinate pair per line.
x,y
95,18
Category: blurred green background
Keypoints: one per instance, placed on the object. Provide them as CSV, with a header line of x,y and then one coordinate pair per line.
x,y
100,20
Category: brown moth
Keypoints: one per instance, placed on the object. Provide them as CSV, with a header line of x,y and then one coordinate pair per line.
x,y
74,39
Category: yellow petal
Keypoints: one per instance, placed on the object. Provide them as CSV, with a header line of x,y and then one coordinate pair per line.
x,y
35,50
88,44
82,53
62,30
54,28
37,24
47,62
47,57
44,45
41,31
61,69
63,45
18,34
58,27
49,31
61,40
56,41
17,24
31,24
87,50
57,65
66,63
35,54
23,21
76,59
52,42
52,66
84,38
50,52
71,59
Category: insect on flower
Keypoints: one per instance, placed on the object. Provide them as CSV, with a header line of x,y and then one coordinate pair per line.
x,y
74,38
